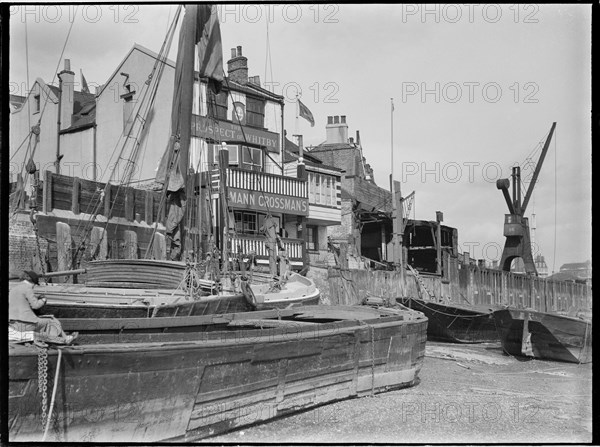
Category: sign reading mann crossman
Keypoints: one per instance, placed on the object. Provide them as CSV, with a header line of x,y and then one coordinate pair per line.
x,y
256,200
218,130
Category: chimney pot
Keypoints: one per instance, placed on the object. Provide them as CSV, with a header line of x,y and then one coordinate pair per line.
x,y
343,119
351,140
330,120
336,119
68,64
239,50
233,53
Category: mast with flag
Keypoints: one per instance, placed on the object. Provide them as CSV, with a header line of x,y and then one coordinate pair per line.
x,y
200,28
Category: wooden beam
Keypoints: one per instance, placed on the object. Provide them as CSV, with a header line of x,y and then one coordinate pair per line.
x,y
129,204
97,237
75,196
159,247
107,201
148,212
64,248
131,245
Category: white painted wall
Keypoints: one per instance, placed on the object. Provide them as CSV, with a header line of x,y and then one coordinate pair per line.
x,y
20,123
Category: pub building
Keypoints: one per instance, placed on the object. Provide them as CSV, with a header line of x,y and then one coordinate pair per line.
x,y
266,174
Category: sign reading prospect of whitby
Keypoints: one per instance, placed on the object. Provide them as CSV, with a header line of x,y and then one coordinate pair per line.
x,y
256,200
218,130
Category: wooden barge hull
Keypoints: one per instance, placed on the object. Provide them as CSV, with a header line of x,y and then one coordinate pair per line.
x,y
83,301
218,380
553,337
455,324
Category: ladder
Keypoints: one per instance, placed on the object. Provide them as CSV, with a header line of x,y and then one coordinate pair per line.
x,y
421,283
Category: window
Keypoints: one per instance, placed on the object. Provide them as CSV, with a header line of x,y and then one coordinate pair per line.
x,y
36,98
247,222
251,158
255,112
312,235
233,153
217,104
321,189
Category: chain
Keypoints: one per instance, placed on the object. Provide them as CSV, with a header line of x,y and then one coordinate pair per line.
x,y
43,381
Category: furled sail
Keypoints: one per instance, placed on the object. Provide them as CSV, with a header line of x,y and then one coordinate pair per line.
x,y
200,27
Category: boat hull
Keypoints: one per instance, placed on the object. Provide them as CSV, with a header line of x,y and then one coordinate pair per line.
x,y
74,301
553,337
455,324
189,389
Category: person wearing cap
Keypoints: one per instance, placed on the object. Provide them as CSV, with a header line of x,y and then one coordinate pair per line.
x,y
21,316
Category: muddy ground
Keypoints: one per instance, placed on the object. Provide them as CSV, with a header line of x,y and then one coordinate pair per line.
x,y
467,394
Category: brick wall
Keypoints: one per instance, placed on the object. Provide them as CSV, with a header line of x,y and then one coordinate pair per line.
x,y
22,246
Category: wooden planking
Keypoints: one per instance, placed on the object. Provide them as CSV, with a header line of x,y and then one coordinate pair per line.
x,y
80,195
468,284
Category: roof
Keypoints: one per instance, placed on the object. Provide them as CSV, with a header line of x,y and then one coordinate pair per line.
x,y
576,266
332,146
84,110
16,101
291,154
135,47
565,276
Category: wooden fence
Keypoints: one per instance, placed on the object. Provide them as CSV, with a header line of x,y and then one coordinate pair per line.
x,y
472,285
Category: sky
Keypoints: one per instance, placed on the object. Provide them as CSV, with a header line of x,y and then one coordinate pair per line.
x,y
475,90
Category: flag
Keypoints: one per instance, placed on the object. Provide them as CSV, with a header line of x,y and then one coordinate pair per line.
x,y
84,86
306,114
210,48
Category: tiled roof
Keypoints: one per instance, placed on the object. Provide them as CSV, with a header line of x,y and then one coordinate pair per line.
x,y
84,110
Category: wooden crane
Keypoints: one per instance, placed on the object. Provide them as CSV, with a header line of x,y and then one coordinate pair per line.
x,y
516,226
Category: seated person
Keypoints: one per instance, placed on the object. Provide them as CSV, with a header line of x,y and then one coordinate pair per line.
x,y
24,324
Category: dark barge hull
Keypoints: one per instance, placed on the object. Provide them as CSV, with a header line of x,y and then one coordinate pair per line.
x,y
144,380
553,337
455,324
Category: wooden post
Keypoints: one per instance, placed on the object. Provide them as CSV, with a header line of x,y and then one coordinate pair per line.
x,y
96,238
129,204
344,255
439,217
75,195
47,202
398,228
63,248
107,203
131,246
159,247
149,208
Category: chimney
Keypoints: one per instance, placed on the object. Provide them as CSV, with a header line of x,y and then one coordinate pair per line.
x,y
237,66
67,92
337,130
